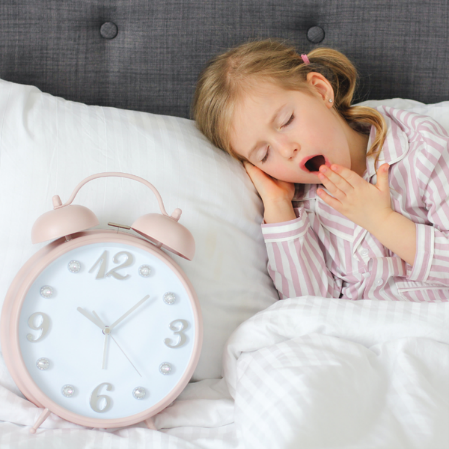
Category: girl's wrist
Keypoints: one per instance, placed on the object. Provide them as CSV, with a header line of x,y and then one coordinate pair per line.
x,y
278,211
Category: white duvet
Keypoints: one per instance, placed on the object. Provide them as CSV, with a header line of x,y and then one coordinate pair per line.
x,y
305,373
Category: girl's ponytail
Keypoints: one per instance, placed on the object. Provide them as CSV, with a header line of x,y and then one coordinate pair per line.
x,y
342,75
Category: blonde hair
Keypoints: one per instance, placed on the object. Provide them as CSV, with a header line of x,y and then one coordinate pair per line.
x,y
228,75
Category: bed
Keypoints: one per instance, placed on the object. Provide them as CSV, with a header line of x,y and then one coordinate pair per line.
x,y
94,86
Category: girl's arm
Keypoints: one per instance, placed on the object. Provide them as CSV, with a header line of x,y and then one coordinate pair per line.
x,y
431,263
424,246
277,212
398,234
296,262
295,257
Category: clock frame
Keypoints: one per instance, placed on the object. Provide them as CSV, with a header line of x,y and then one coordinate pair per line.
x,y
154,231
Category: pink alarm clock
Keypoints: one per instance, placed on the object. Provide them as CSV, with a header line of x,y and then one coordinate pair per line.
x,y
102,327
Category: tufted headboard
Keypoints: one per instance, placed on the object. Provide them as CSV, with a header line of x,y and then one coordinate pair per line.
x,y
146,54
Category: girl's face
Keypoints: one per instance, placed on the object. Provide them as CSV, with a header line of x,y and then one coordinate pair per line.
x,y
289,134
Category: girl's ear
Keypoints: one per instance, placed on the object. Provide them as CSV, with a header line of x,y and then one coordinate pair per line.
x,y
319,84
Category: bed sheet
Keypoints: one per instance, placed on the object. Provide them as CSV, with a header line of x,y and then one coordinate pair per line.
x,y
306,372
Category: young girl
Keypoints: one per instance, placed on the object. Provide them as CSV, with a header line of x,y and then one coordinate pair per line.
x,y
370,186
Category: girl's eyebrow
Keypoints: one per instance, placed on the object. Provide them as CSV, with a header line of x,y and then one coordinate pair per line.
x,y
254,148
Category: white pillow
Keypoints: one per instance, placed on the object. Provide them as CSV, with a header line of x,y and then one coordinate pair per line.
x,y
438,111
48,145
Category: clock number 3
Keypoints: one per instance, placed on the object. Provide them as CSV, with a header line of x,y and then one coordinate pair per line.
x,y
101,400
43,326
103,263
177,326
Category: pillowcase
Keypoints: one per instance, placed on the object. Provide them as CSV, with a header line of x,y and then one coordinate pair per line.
x,y
48,145
438,111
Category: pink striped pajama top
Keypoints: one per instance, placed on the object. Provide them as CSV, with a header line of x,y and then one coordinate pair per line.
x,y
323,253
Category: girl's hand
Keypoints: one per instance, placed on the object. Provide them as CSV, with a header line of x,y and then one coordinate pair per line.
x,y
365,204
271,190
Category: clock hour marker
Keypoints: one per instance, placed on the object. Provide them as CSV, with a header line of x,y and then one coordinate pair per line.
x,y
102,262
101,403
47,291
145,271
68,391
165,368
169,298
139,392
74,266
177,326
44,325
43,364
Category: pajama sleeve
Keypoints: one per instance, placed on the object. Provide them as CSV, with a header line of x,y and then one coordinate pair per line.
x,y
431,262
295,259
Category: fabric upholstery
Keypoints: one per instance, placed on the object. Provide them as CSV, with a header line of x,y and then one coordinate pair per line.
x,y
152,64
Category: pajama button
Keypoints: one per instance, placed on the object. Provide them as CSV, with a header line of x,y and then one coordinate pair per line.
x,y
379,282
364,252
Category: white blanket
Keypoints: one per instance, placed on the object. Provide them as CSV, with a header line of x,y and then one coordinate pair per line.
x,y
319,373
305,373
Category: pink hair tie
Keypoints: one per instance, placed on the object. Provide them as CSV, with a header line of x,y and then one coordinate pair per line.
x,y
305,59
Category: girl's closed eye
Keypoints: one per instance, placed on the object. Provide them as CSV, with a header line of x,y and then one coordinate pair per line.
x,y
268,148
266,155
289,121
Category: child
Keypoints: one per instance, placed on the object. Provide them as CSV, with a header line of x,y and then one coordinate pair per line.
x,y
370,218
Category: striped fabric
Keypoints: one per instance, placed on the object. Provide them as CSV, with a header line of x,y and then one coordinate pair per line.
x,y
323,253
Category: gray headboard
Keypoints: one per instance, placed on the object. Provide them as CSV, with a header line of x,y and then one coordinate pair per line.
x,y
146,54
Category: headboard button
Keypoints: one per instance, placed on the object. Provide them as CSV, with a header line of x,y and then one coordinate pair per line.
x,y
315,34
109,30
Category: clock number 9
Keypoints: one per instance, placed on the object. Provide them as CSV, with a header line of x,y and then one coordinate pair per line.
x,y
103,262
97,399
177,326
43,326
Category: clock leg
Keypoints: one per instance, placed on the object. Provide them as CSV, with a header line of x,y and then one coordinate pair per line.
x,y
150,423
43,416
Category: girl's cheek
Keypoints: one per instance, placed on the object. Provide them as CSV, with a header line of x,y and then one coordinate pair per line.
x,y
273,167
284,174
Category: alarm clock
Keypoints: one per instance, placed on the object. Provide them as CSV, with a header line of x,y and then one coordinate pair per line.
x,y
102,327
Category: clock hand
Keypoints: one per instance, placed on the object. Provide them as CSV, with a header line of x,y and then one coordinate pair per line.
x,y
106,338
107,331
94,320
128,312
126,356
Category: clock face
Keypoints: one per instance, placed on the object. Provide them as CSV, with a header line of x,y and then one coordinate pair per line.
x,y
107,330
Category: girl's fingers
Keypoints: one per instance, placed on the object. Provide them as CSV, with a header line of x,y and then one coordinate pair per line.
x,y
253,172
268,187
336,192
382,178
328,199
341,177
247,166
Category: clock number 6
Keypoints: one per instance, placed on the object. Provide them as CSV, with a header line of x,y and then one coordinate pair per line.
x,y
177,326
103,262
99,399
43,326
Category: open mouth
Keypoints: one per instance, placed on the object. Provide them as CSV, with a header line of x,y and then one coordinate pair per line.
x,y
314,163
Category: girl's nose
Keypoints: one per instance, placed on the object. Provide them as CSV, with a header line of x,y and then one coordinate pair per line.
x,y
288,151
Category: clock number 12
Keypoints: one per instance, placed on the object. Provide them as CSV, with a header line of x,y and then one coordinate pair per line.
x,y
103,265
